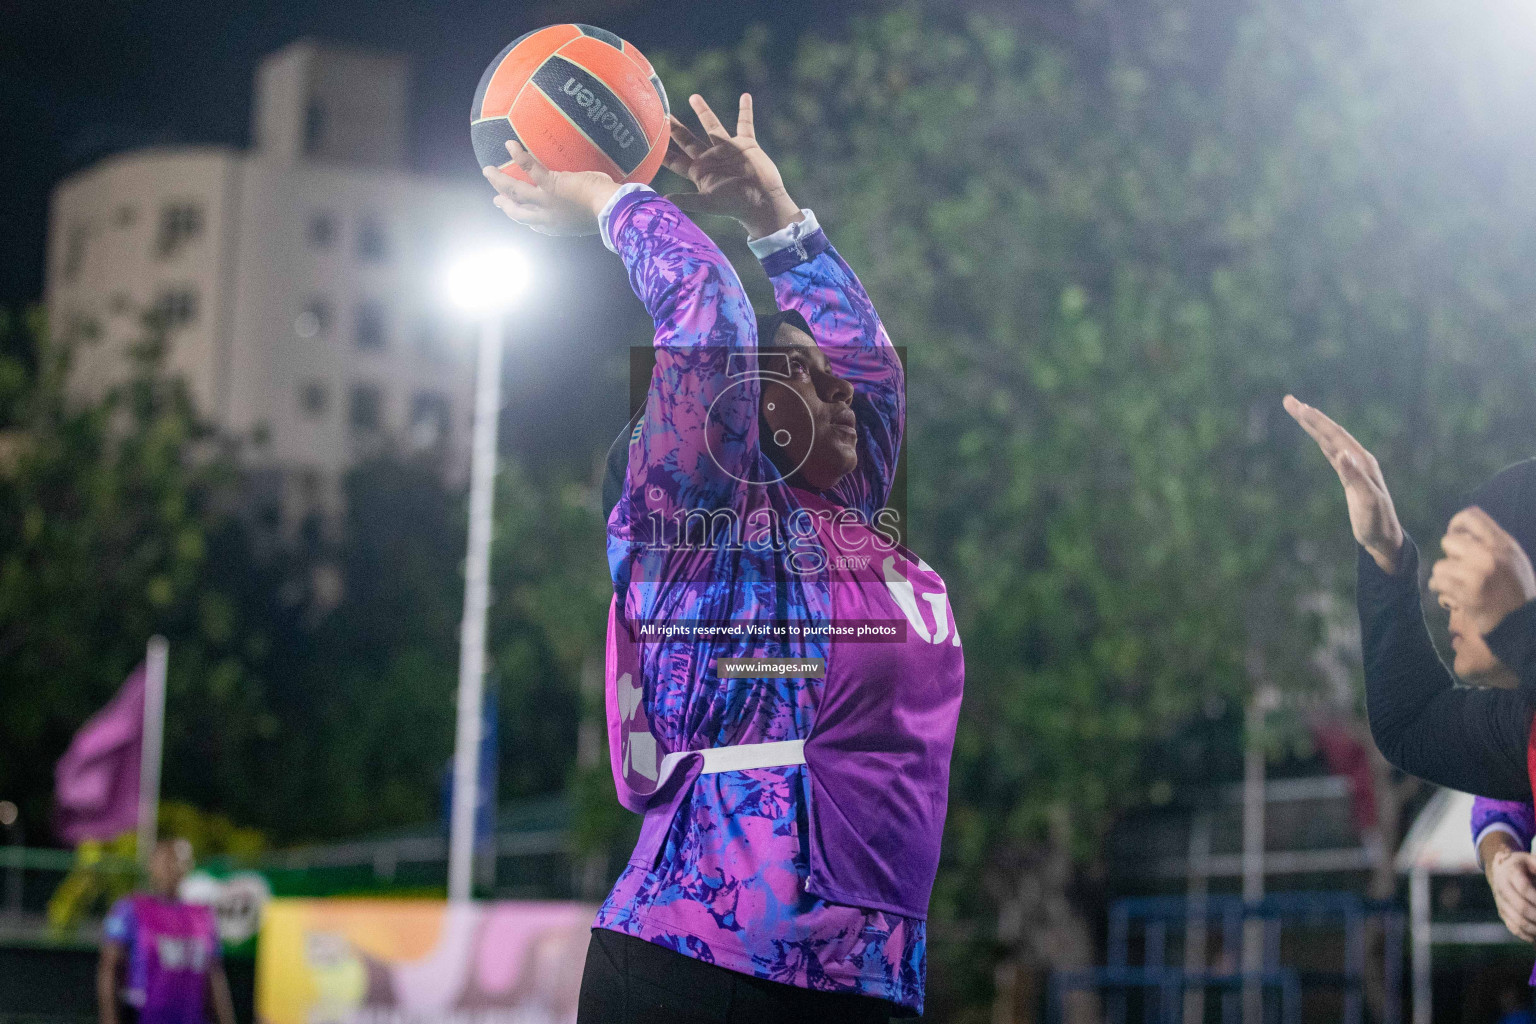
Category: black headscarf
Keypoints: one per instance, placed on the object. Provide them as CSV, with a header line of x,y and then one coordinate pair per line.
x,y
768,325
1509,496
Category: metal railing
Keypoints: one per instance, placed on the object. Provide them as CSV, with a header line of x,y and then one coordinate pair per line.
x,y
1160,921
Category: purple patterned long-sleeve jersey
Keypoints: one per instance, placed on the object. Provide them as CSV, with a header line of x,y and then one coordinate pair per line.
x,y
734,867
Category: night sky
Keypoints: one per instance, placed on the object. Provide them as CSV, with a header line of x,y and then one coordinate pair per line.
x,y
79,81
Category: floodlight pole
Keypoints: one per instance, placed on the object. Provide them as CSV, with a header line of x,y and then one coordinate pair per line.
x,y
477,571
156,657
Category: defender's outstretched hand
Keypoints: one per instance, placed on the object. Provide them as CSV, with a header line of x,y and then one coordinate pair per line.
x,y
558,202
732,174
1485,571
1512,877
1371,514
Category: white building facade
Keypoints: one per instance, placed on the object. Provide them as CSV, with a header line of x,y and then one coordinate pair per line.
x,y
300,280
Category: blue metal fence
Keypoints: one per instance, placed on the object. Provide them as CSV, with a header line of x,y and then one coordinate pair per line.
x,y
1160,988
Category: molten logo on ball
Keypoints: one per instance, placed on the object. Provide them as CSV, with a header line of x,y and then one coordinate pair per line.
x,y
598,111
577,98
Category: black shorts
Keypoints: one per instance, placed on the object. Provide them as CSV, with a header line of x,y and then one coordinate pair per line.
x,y
631,981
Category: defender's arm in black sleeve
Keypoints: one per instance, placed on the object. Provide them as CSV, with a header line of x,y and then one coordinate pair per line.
x,y
1471,739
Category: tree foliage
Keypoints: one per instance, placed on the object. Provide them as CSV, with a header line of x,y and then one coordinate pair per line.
x,y
115,526
1112,241
300,716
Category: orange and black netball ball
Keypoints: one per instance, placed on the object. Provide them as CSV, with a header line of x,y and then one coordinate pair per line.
x,y
578,98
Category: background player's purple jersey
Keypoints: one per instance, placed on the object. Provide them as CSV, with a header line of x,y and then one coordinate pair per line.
x,y
171,946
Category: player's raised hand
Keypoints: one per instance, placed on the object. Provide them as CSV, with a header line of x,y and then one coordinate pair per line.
x,y
731,174
558,202
1512,877
1371,514
1485,571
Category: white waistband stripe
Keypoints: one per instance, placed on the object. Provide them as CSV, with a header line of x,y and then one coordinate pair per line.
x,y
741,757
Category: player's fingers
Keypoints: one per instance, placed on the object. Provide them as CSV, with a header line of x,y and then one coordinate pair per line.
x,y
523,213
523,192
1519,924
537,172
721,156
1332,436
712,126
1449,571
1479,525
1526,910
1354,473
1298,412
500,180
1303,415
684,137
1459,544
677,159
744,125
1520,880
509,190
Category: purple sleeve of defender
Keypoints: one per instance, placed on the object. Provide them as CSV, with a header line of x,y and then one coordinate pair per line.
x,y
810,278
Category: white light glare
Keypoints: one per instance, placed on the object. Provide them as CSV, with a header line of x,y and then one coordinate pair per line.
x,y
487,280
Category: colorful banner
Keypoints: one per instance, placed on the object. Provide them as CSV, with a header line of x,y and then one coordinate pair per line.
x,y
343,961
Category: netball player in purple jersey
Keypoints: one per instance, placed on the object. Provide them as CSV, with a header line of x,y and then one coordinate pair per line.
x,y
160,961
792,821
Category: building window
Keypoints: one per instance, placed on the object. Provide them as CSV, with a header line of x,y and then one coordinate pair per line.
x,y
372,241
264,497
313,399
314,319
314,128
367,413
431,417
180,223
429,340
176,308
312,529
368,330
74,251
322,230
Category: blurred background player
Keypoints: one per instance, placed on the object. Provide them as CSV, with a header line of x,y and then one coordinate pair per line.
x,y
160,961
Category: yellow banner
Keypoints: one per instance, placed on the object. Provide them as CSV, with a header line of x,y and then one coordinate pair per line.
x,y
344,961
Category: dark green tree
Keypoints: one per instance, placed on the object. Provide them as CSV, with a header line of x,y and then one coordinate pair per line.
x,y
1112,239
116,524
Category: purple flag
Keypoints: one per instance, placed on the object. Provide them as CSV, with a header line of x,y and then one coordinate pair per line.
x,y
96,782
